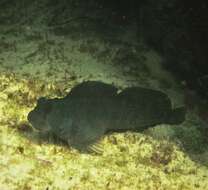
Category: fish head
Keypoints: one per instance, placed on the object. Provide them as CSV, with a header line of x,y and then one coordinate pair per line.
x,y
38,116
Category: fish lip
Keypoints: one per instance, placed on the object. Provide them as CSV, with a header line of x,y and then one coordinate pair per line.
x,y
47,127
41,130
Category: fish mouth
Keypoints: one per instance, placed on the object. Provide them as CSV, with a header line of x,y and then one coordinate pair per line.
x,y
41,127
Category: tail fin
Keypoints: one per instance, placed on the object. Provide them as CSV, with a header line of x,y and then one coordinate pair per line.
x,y
177,116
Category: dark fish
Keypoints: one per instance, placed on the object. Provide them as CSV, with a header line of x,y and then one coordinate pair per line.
x,y
92,109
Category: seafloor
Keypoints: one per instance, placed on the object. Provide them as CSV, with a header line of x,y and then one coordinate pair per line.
x,y
35,62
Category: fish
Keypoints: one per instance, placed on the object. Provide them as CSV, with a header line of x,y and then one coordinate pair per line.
x,y
92,109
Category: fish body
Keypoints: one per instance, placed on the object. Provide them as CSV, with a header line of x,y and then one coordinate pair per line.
x,y
92,109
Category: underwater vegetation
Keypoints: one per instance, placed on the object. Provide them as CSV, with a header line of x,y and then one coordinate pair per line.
x,y
129,160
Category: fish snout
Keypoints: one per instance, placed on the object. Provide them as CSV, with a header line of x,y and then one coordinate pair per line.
x,y
38,123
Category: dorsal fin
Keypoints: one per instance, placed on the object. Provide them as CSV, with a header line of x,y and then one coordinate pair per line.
x,y
140,92
93,89
140,95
